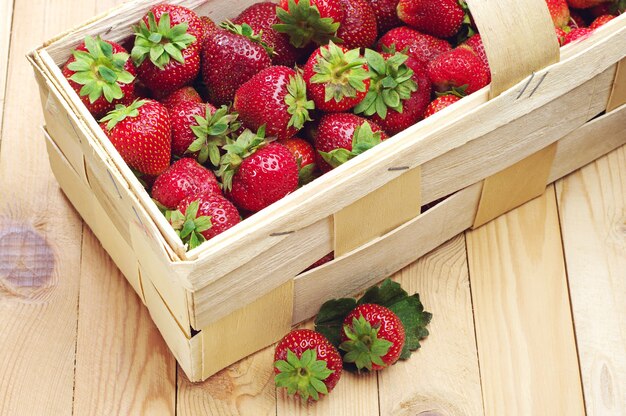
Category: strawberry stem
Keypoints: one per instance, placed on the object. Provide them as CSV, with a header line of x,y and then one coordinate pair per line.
x,y
121,112
303,376
303,23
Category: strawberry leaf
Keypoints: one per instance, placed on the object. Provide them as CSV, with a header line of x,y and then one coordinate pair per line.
x,y
414,318
303,23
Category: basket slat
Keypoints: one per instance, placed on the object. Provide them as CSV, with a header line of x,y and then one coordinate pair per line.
x,y
618,94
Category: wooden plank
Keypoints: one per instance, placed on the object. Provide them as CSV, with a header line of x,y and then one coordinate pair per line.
x,y
123,366
441,278
592,208
515,185
510,58
378,213
244,388
618,94
354,395
6,17
524,330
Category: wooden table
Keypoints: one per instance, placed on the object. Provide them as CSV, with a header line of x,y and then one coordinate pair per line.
x,y
529,310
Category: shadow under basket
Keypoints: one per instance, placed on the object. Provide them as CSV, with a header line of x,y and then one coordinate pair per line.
x,y
547,112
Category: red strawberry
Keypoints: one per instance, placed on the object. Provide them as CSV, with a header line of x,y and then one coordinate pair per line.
x,y
440,103
201,130
307,364
577,34
202,217
422,47
559,12
261,17
560,35
167,48
601,21
585,4
337,79
208,26
180,95
342,136
326,259
186,177
275,97
475,44
305,157
230,59
358,27
373,337
441,18
309,20
386,14
458,69
141,134
102,75
256,174
399,93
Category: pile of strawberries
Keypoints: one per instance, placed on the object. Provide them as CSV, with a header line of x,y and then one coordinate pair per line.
x,y
369,334
576,19
220,121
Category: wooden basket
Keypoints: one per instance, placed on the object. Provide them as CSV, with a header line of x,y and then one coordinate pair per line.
x,y
542,117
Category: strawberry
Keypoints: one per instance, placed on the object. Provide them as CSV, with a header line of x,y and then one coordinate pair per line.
x,y
599,21
441,18
306,21
337,79
458,69
306,364
422,47
585,4
342,136
326,259
440,103
576,35
202,217
386,14
373,337
358,28
180,95
185,178
275,97
141,134
475,44
102,75
398,95
560,35
261,17
208,26
256,174
559,11
230,58
167,48
201,130
305,157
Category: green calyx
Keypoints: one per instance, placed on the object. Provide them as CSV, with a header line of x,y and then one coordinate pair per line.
x,y
246,31
303,23
297,103
121,112
466,31
363,347
342,73
160,41
456,91
304,376
246,144
211,134
189,226
364,138
99,70
391,83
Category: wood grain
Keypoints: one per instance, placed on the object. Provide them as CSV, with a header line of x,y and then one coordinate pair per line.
x,y
6,18
122,363
448,356
524,329
592,207
618,94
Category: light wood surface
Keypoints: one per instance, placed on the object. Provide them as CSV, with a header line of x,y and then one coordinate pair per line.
x,y
76,340
592,206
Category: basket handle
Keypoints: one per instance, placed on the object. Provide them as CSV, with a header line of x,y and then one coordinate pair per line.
x,y
518,36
